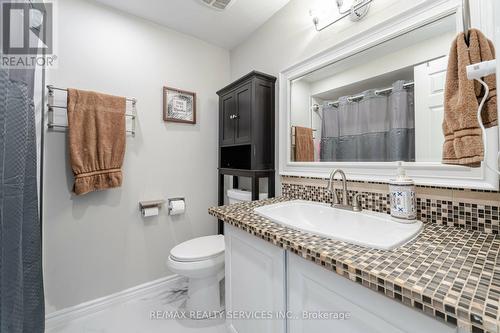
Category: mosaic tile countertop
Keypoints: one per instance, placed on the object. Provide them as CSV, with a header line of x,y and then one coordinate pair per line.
x,y
446,272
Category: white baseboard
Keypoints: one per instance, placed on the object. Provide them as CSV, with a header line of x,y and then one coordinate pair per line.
x,y
67,315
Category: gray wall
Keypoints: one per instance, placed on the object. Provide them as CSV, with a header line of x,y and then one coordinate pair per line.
x,y
98,244
289,37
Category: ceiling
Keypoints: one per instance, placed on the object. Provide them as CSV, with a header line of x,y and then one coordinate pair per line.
x,y
226,28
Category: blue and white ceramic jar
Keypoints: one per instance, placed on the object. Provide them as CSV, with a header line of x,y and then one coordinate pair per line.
x,y
403,197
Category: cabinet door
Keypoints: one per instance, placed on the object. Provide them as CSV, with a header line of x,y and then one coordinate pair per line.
x,y
227,119
243,121
313,290
255,285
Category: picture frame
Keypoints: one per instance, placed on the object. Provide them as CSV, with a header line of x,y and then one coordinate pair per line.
x,y
179,106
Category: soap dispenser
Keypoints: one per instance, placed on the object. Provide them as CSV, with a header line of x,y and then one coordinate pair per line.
x,y
403,197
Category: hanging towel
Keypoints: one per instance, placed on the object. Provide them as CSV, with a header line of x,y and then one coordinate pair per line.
x,y
463,140
96,139
304,145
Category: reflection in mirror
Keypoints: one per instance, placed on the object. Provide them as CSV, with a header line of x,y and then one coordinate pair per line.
x,y
382,104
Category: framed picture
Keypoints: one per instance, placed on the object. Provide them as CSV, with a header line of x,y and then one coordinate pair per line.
x,y
179,106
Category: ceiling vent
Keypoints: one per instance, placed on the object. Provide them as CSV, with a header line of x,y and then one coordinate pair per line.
x,y
218,4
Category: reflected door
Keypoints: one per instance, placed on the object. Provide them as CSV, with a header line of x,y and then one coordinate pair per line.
x,y
430,78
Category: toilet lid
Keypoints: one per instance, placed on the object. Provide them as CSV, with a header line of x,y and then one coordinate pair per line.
x,y
198,249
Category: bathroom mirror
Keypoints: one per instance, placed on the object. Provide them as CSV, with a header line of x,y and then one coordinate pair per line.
x,y
382,104
376,100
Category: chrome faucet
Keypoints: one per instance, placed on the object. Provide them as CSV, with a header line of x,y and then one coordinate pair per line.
x,y
336,202
330,188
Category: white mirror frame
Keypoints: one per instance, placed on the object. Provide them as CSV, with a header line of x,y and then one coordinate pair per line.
x,y
424,173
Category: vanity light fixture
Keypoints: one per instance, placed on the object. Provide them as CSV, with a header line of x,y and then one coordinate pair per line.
x,y
356,12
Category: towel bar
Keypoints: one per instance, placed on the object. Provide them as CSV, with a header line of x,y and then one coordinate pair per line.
x,y
64,107
292,135
51,107
66,126
52,88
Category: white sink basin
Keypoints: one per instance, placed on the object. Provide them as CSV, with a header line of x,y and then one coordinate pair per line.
x,y
370,229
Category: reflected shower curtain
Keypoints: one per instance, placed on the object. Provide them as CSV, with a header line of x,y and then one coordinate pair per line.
x,y
21,288
401,140
329,134
373,127
348,122
377,128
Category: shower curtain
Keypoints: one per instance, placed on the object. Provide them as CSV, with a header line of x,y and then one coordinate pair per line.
x,y
377,128
21,288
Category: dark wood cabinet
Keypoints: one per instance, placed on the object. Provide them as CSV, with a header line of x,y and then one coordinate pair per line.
x,y
246,132
236,116
246,118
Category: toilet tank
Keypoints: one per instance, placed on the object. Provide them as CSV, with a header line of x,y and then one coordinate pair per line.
x,y
236,195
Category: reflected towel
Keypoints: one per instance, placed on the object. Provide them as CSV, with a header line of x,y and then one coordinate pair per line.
x,y
304,145
96,139
463,140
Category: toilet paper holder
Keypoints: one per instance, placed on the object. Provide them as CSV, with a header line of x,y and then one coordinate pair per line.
x,y
150,204
169,206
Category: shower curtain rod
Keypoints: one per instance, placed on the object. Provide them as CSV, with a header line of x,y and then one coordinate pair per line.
x,y
377,92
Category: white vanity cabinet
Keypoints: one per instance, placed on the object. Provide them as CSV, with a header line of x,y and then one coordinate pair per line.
x,y
255,283
263,280
313,289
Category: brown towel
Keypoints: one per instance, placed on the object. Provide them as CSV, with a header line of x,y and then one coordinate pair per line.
x,y
96,139
304,146
463,140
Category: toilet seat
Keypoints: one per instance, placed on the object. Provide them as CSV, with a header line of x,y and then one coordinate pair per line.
x,y
197,269
198,249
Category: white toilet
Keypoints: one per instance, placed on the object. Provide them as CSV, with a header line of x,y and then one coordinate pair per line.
x,y
201,260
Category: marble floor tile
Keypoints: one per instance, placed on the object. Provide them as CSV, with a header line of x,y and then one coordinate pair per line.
x,y
135,317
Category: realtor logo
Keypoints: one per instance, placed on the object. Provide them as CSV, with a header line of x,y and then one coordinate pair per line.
x,y
27,37
27,28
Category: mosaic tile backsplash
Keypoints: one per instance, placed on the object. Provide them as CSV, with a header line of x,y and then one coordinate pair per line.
x,y
469,209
